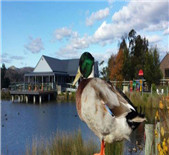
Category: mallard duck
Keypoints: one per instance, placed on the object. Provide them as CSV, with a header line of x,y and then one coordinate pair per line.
x,y
105,109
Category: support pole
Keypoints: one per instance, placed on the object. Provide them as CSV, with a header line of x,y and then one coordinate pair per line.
x,y
34,99
42,83
19,98
149,130
24,83
54,82
40,99
157,138
35,84
12,98
48,97
26,98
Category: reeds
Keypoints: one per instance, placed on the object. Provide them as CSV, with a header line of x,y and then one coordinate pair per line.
x,y
63,144
144,100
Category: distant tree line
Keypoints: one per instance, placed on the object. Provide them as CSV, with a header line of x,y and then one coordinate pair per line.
x,y
133,55
4,80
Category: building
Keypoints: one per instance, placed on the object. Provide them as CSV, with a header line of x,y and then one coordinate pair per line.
x,y
55,73
164,66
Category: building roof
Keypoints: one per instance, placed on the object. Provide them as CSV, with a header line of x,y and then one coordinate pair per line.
x,y
68,66
60,67
164,64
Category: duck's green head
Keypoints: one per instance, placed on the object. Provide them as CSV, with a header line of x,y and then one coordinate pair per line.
x,y
86,63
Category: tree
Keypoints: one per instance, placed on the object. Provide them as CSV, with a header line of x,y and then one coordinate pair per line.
x,y
104,72
152,72
132,57
116,69
4,80
138,47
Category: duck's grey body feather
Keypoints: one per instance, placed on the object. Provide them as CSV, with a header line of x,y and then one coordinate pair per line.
x,y
95,96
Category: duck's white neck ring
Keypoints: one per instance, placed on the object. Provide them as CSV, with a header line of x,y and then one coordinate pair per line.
x,y
92,73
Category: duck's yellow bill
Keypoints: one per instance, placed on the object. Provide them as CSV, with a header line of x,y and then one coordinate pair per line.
x,y
78,75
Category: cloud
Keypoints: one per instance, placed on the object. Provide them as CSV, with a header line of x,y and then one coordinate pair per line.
x,y
162,50
153,39
35,45
143,16
146,15
110,1
96,16
16,57
104,56
166,32
64,32
75,44
4,58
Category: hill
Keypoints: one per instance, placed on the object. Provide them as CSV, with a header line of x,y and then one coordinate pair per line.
x,y
17,74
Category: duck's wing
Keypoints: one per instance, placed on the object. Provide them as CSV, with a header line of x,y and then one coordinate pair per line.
x,y
111,98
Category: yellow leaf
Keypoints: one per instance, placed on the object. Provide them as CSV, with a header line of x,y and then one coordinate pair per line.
x,y
168,140
161,106
159,147
163,143
157,117
162,131
156,133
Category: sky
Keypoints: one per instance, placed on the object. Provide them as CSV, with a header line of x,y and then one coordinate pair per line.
x,y
66,29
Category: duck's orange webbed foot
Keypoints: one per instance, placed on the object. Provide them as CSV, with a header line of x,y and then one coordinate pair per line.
x,y
102,151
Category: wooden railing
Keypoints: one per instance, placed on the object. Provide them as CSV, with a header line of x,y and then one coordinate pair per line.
x,y
32,87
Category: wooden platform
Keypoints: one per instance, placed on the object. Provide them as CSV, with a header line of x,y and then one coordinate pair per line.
x,y
32,95
27,92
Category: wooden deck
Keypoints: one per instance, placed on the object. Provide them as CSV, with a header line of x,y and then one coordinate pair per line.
x,y
32,93
28,92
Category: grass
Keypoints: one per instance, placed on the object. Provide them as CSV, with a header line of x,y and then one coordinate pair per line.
x,y
66,97
71,144
145,100
5,95
63,144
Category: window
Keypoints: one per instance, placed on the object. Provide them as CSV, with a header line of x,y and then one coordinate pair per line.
x,y
167,73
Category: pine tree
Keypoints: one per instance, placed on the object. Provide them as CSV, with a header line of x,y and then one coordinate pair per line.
x,y
4,80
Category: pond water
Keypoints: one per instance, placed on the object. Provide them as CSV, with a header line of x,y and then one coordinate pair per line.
x,y
21,123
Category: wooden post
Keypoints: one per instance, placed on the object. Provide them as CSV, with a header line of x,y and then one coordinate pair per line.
x,y
48,97
54,82
26,98
42,83
24,83
12,98
35,84
19,98
40,99
149,130
158,137
34,99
